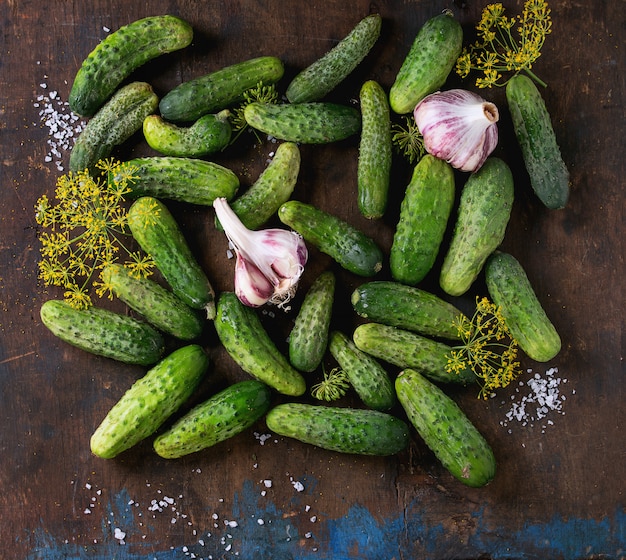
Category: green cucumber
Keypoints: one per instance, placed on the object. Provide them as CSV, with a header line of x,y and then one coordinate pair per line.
x,y
120,53
306,123
368,377
483,214
220,89
160,307
155,229
327,72
511,290
348,246
345,430
103,332
375,151
424,215
549,176
150,401
222,416
243,336
428,63
446,430
308,339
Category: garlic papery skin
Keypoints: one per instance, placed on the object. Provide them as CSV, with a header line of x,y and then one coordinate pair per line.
x,y
458,126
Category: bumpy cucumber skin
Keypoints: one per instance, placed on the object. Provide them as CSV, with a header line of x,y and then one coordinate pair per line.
x,y
150,401
549,176
424,214
349,247
368,377
307,123
406,349
160,307
327,72
308,339
375,151
345,430
119,118
155,229
191,180
406,307
511,290
446,429
220,89
104,333
119,54
426,67
249,345
483,214
222,416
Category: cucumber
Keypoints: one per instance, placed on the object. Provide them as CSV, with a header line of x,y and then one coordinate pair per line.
x,y
327,72
406,349
222,416
247,342
103,332
345,430
549,176
189,180
368,377
428,63
424,215
150,401
348,246
220,89
119,54
306,123
483,214
160,307
511,290
406,307
446,429
308,339
375,151
155,229
119,118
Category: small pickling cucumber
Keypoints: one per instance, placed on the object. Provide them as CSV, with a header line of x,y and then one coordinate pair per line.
x,y
150,401
428,63
219,89
191,180
158,234
323,75
368,377
348,246
406,307
424,214
118,119
446,429
209,134
345,430
104,332
549,176
220,417
307,123
407,349
483,214
308,339
375,151
120,53
160,307
511,290
242,334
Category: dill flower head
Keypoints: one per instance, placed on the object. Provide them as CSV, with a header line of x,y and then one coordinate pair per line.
x,y
261,93
407,140
334,386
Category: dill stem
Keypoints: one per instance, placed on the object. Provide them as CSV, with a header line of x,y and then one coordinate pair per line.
x,y
536,78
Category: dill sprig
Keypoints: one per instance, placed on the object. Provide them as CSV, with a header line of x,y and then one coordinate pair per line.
x,y
408,140
334,386
261,93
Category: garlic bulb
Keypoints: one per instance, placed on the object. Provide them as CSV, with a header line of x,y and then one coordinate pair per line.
x,y
458,126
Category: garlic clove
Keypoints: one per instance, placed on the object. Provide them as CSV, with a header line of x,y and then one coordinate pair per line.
x,y
251,286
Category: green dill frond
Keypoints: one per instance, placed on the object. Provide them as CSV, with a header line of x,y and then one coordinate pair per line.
x,y
407,140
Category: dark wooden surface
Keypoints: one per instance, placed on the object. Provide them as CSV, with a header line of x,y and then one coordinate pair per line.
x,y
559,489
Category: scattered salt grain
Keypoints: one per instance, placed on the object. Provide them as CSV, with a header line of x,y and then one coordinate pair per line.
x,y
119,535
